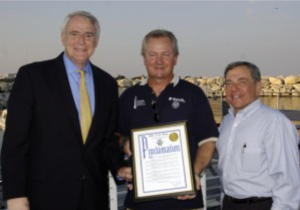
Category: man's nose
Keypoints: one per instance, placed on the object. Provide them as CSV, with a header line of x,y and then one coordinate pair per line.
x,y
159,59
81,39
234,86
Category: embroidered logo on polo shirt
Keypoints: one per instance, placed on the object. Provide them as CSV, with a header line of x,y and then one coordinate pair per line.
x,y
176,102
137,103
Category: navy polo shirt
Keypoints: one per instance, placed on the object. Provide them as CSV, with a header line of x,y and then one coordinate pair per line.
x,y
180,100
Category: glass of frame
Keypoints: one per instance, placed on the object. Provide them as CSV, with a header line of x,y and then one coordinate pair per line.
x,y
161,162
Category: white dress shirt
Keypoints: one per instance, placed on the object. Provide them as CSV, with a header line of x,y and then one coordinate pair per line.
x,y
259,156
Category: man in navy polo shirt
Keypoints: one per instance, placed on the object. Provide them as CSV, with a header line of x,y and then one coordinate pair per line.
x,y
163,98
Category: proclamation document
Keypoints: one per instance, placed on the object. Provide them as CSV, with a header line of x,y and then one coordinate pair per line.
x,y
161,162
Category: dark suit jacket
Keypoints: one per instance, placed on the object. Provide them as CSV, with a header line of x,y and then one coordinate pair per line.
x,y
43,157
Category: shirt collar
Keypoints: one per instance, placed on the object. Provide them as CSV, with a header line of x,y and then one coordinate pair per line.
x,y
71,67
248,110
174,81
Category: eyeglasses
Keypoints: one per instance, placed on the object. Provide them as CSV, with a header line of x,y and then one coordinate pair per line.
x,y
155,110
241,83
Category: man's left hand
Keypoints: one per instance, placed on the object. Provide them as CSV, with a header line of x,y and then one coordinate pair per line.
x,y
190,197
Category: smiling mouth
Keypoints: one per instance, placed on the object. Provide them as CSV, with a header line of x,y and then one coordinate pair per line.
x,y
80,49
236,96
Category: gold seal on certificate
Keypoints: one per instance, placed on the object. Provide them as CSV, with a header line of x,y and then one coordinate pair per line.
x,y
173,136
161,162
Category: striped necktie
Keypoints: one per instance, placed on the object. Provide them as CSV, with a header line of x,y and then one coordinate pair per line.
x,y
85,108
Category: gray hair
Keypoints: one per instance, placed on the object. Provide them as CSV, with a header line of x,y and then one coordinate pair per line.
x,y
160,33
84,14
255,72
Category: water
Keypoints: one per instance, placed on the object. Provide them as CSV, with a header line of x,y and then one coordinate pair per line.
x,y
288,103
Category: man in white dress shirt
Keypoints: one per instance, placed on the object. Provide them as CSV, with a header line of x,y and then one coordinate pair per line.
x,y
258,148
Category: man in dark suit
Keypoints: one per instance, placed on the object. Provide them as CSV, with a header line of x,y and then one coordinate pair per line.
x,y
48,162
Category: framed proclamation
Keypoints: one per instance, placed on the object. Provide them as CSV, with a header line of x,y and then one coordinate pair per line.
x,y
161,162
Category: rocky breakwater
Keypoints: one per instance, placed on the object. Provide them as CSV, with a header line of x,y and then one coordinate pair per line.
x,y
212,86
282,86
124,83
6,83
215,86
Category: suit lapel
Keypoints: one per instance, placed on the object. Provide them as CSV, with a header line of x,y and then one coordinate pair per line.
x,y
68,101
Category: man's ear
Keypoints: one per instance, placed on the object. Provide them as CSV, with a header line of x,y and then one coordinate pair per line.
x,y
258,87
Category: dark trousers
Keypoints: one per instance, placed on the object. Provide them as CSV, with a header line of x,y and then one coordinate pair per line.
x,y
261,205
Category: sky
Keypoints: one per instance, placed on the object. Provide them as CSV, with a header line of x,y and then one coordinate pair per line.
x,y
210,34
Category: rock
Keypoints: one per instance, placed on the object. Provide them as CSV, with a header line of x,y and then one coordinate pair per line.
x,y
267,90
191,80
198,81
220,81
215,87
297,87
8,77
121,90
218,93
265,82
212,86
206,89
291,80
288,86
4,96
11,86
295,93
136,80
124,82
119,77
203,81
3,99
211,81
275,87
275,81
5,86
